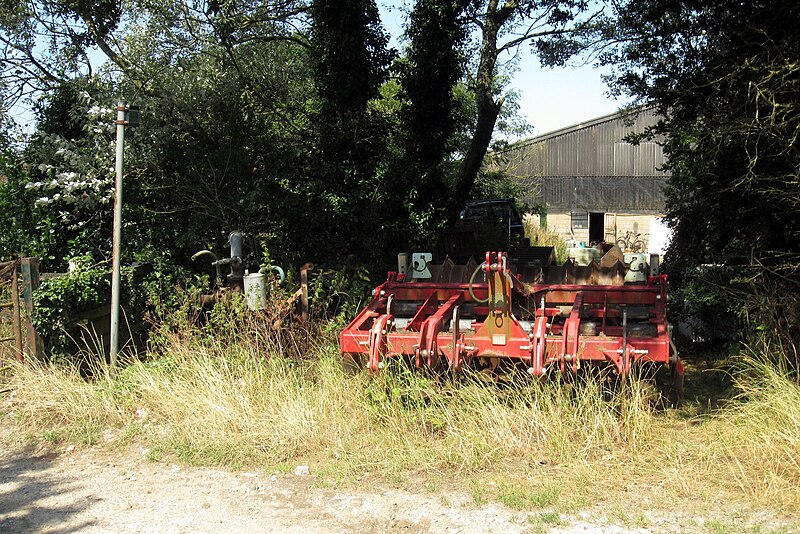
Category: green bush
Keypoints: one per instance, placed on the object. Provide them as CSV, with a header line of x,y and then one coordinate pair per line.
x,y
58,303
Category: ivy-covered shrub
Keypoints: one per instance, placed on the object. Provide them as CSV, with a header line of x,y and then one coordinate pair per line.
x,y
59,302
69,308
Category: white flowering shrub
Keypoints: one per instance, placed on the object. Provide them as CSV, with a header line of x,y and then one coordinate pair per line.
x,y
57,202
76,176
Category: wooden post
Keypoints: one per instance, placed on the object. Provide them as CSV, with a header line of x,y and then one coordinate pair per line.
x,y
304,290
30,281
16,315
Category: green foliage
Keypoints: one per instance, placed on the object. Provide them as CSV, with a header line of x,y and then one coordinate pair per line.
x,y
401,393
518,497
497,183
349,56
69,177
59,302
349,60
432,116
542,237
339,295
558,29
276,118
16,219
167,298
46,43
156,294
727,92
434,65
226,317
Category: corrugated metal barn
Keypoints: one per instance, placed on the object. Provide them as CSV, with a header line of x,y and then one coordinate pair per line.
x,y
593,185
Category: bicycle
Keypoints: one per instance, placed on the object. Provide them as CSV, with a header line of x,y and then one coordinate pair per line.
x,y
632,243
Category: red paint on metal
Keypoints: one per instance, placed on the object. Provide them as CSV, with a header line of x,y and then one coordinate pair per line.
x,y
431,336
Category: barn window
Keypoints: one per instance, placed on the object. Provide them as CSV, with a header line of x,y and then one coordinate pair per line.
x,y
580,220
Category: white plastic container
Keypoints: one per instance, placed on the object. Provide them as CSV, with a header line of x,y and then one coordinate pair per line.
x,y
638,269
255,291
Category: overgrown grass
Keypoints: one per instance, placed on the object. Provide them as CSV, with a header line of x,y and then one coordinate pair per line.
x,y
543,237
758,436
237,399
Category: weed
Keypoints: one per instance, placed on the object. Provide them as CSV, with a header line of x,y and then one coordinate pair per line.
x,y
87,432
544,237
573,503
130,432
544,496
545,521
478,492
521,497
546,518
617,514
513,496
52,436
730,526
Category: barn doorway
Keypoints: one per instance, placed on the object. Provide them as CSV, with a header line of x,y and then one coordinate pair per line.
x,y
597,226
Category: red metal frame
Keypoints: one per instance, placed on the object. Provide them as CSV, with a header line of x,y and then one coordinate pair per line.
x,y
548,338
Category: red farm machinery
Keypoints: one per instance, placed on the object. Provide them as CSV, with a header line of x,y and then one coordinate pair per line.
x,y
519,310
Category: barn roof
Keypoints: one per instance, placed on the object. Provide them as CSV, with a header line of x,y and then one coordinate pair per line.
x,y
590,165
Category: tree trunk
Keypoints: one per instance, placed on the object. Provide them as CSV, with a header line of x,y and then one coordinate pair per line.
x,y
488,109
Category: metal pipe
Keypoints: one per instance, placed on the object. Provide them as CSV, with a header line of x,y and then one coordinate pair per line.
x,y
114,335
235,239
277,270
625,366
236,276
214,262
204,252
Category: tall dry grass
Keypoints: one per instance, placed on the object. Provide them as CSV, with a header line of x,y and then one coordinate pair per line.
x,y
758,435
237,399
544,237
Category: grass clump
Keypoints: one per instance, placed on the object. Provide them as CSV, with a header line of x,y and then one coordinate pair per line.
x,y
545,521
520,497
758,436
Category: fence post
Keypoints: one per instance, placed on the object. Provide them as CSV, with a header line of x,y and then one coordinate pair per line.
x,y
30,281
16,314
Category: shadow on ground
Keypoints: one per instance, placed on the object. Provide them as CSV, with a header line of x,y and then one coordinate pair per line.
x,y
28,483
708,383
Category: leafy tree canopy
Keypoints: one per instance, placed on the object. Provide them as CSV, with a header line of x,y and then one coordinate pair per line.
x,y
726,78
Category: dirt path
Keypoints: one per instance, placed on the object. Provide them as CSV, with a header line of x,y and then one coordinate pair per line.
x,y
121,492
95,491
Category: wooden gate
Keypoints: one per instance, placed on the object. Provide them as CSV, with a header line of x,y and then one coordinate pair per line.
x,y
18,339
10,313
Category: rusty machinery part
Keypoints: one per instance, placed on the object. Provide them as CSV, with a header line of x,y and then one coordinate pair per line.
x,y
537,326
